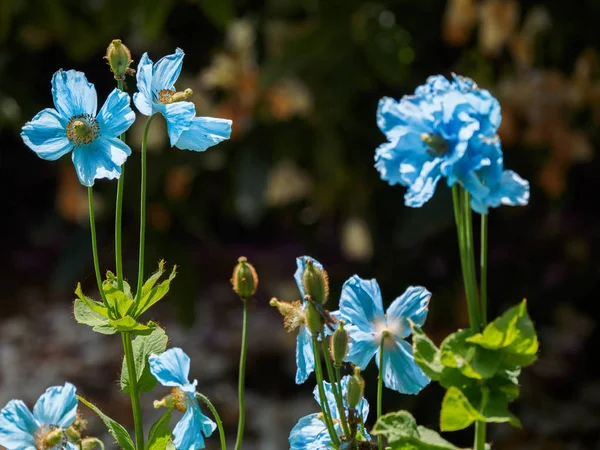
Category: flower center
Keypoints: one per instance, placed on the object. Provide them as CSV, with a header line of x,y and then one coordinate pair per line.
x,y
167,96
82,129
49,437
386,329
180,402
437,144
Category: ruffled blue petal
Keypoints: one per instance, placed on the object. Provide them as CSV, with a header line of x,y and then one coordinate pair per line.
x,y
305,357
115,116
17,427
435,85
514,190
57,406
401,372
360,303
46,135
166,71
393,117
300,268
102,158
412,304
363,346
423,188
179,117
204,133
144,98
73,94
207,426
187,434
170,368
310,433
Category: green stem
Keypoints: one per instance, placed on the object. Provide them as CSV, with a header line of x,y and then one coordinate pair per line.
x,y
241,378
483,268
336,387
213,410
470,256
380,389
95,247
143,208
324,404
480,432
133,391
119,217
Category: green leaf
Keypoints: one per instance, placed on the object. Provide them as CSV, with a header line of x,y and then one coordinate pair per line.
x,y
402,433
151,293
130,325
116,298
143,347
514,334
114,428
458,411
91,304
87,316
471,360
160,433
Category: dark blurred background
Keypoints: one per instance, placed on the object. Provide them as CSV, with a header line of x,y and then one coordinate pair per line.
x,y
301,80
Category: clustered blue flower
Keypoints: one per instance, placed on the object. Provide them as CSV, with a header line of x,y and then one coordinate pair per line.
x,y
53,413
447,129
310,433
172,368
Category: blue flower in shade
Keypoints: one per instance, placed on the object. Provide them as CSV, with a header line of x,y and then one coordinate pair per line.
x,y
157,94
433,134
361,307
310,433
73,125
172,368
54,412
492,186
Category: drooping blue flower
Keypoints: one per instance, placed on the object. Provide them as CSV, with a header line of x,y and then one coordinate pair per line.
x,y
361,308
491,185
172,368
157,94
73,125
433,134
53,413
310,433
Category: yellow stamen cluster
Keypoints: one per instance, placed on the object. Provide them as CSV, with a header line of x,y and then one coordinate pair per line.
x,y
167,96
82,129
436,143
293,315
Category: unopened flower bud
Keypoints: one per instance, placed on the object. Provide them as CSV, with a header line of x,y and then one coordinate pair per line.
x,y
356,389
73,434
119,59
339,345
245,279
314,319
315,282
90,443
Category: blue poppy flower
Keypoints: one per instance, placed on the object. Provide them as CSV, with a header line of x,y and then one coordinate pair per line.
x,y
53,413
305,356
73,125
362,309
157,94
492,186
310,433
432,135
172,368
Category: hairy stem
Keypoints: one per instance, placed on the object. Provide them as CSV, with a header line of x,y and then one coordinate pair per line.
x,y
95,247
336,387
380,389
133,391
324,404
119,217
213,410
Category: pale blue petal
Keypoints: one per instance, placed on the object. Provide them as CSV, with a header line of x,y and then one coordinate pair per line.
x,y
360,303
144,98
204,133
102,158
424,185
330,399
392,116
17,427
73,94
300,268
166,71
413,305
401,372
115,116
57,406
71,446
46,135
179,117
305,357
310,433
514,190
363,346
170,368
206,425
187,434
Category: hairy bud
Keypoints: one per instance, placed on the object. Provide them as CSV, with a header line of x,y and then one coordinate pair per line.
x,y
356,389
119,59
339,345
90,443
244,279
315,282
314,319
